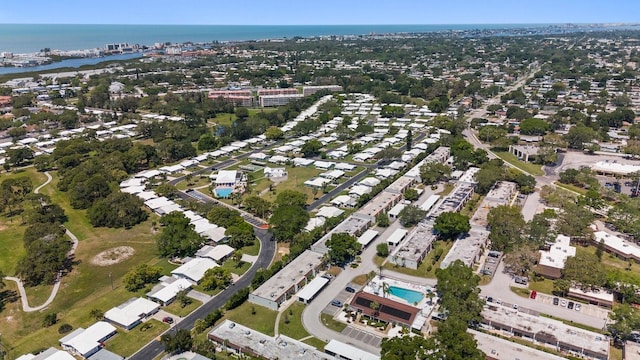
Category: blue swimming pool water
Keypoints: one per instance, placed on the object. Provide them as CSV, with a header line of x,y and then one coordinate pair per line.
x,y
411,296
223,192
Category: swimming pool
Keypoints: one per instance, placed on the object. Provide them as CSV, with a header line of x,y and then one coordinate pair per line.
x,y
411,296
223,192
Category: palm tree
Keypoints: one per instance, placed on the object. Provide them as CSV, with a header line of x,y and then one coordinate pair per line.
x,y
375,306
385,289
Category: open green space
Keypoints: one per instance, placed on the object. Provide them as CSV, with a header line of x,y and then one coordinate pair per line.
x,y
195,182
254,316
428,266
331,323
291,322
253,249
176,308
295,181
316,343
532,169
522,292
37,295
125,343
235,267
89,286
225,119
570,187
544,286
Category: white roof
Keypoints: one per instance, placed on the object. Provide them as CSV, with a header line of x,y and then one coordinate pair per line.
x,y
329,212
395,211
49,354
614,167
314,223
333,174
146,195
359,190
345,166
133,189
131,311
215,253
342,200
311,289
226,176
215,234
317,182
89,339
558,253
132,182
201,225
618,244
158,202
367,237
323,164
369,181
169,291
194,269
397,236
348,351
303,162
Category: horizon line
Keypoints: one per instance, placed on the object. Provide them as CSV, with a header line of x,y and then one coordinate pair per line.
x,y
360,24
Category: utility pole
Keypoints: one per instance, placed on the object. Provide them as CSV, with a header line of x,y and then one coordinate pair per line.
x,y
111,278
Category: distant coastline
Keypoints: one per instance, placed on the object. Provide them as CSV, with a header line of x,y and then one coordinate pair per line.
x,y
25,38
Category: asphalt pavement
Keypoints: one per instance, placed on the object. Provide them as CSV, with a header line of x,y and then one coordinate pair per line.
x,y
267,252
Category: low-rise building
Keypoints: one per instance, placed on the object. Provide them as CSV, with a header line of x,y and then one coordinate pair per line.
x,y
194,269
553,259
169,287
131,313
86,342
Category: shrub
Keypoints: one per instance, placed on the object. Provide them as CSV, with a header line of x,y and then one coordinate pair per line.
x,y
50,319
64,328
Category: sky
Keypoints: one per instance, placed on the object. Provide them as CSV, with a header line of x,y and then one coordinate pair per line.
x,y
313,12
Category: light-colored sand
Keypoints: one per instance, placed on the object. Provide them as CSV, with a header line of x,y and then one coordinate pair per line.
x,y
113,256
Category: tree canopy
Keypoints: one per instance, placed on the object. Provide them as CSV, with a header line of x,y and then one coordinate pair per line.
x,y
342,248
450,225
177,237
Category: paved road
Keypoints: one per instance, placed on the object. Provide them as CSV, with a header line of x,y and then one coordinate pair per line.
x,y
267,251
498,288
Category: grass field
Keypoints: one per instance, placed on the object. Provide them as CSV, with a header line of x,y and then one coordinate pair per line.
x,y
223,119
233,267
544,286
295,181
332,324
254,316
87,287
294,328
125,343
571,188
176,309
532,169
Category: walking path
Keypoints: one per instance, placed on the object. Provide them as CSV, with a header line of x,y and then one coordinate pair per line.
x,y
23,295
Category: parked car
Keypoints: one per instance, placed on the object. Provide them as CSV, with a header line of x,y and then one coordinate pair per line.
x,y
336,302
570,306
515,306
349,289
578,307
563,302
556,301
499,301
167,320
489,299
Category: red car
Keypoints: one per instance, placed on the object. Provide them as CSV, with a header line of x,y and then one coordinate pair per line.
x,y
167,319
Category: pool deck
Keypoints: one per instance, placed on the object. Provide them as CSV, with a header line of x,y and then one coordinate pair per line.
x,y
375,287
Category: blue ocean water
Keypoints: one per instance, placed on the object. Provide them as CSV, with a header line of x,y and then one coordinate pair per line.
x,y
25,38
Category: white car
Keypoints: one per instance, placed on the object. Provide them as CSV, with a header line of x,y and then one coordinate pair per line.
x,y
499,301
563,302
578,307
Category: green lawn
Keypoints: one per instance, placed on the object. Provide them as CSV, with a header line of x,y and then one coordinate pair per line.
x,y
11,246
520,291
544,286
225,119
532,169
253,249
295,181
427,268
332,324
233,267
254,316
316,343
569,187
37,295
294,328
125,343
175,308
196,182
87,287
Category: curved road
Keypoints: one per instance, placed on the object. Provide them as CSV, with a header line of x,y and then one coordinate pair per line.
x,y
56,286
267,252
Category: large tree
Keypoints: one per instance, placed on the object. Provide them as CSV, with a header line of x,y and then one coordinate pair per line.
x,y
311,148
287,221
178,237
216,277
506,224
342,248
433,172
411,215
138,277
117,210
450,225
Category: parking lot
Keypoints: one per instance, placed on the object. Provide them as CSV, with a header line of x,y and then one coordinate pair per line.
x,y
343,296
587,309
362,335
